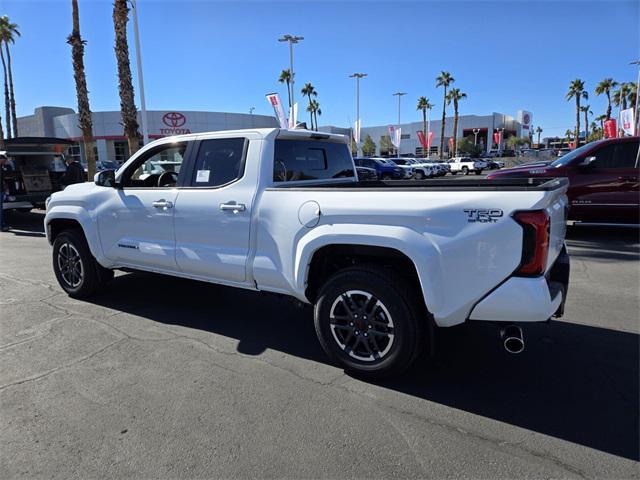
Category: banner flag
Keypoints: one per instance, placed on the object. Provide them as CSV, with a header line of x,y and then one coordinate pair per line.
x,y
274,100
610,128
626,119
356,131
429,139
395,135
422,139
451,143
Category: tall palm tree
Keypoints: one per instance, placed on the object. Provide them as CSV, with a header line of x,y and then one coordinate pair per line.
x,y
1,146
125,86
538,131
7,101
309,91
605,86
82,94
633,93
443,80
316,111
8,33
285,77
424,105
576,91
455,95
585,109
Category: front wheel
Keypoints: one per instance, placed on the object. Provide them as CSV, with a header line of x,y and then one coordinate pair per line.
x,y
419,175
75,268
465,170
367,323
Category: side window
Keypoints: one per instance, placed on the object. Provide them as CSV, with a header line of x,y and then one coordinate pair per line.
x,y
604,157
159,167
624,155
219,161
310,160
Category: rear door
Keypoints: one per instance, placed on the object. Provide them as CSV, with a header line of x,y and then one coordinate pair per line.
x,y
213,211
607,190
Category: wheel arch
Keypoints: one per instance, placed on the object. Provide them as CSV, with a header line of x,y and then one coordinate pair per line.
x,y
58,221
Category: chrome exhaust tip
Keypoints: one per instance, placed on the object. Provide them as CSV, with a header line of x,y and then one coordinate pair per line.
x,y
513,340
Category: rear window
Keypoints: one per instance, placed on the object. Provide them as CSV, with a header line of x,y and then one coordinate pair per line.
x,y
220,161
310,160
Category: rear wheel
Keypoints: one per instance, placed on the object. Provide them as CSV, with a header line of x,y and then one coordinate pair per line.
x,y
465,170
366,322
75,268
419,175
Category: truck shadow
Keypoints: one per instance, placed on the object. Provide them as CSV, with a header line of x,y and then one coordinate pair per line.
x,y
574,382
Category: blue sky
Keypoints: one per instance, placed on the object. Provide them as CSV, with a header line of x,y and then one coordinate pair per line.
x,y
224,56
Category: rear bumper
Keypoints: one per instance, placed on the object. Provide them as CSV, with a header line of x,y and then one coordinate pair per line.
x,y
521,299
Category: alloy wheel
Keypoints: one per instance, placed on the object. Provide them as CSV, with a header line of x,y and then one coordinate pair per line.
x,y
70,265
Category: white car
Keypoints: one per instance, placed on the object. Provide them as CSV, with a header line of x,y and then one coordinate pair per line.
x,y
465,165
402,163
283,211
420,170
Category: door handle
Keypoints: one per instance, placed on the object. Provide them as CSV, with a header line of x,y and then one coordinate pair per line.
x,y
163,204
234,207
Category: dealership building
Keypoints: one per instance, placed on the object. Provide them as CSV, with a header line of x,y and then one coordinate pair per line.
x,y
111,144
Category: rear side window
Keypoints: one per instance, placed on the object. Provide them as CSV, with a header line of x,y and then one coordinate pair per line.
x,y
310,160
624,155
219,161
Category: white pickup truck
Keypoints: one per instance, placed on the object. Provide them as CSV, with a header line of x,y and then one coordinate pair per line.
x,y
282,211
465,165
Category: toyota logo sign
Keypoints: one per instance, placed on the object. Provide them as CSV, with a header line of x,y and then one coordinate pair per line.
x,y
174,120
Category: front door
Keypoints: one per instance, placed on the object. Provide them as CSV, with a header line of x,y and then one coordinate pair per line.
x,y
213,213
136,222
606,191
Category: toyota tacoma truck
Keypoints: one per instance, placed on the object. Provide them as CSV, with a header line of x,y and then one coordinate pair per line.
x,y
383,263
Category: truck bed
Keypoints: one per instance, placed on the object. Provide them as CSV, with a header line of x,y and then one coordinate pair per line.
x,y
513,185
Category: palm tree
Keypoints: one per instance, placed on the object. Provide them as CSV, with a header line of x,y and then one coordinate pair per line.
x,y
84,111
443,80
424,105
285,77
585,109
601,119
605,86
316,111
455,95
621,95
7,102
8,32
576,90
1,146
633,93
309,91
538,131
125,86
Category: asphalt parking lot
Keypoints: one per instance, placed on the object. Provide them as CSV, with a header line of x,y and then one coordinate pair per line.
x,y
165,378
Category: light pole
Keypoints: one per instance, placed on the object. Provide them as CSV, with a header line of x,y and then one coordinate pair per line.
x,y
428,131
501,132
358,76
476,131
251,109
399,95
291,39
143,106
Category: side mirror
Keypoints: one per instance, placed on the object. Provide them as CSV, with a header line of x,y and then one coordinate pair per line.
x,y
587,162
105,178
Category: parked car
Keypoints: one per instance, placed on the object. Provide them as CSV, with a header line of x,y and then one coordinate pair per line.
x,y
465,165
366,173
493,164
562,152
603,180
402,163
420,170
386,170
283,211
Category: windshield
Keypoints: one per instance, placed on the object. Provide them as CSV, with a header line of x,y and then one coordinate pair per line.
x,y
566,159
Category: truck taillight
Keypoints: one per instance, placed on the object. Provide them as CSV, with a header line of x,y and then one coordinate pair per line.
x,y
535,242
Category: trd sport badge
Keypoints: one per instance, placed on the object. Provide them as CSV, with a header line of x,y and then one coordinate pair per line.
x,y
483,215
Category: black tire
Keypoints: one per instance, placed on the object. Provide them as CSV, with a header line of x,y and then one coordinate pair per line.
x,y
478,172
396,306
454,173
419,175
465,170
386,176
76,269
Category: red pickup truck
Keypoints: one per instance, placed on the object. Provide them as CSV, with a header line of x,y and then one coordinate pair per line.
x,y
603,180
